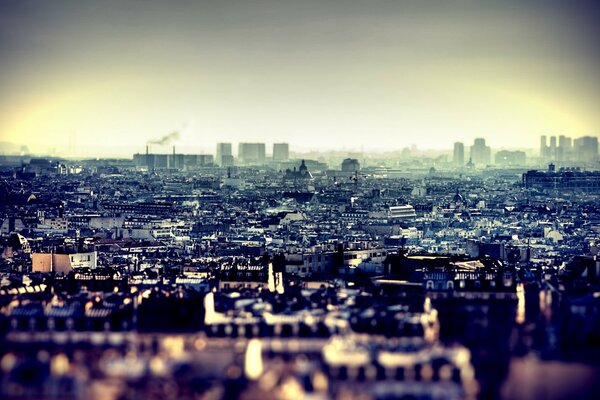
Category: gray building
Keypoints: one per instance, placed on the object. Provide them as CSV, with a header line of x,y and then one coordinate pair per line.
x,y
223,151
251,153
480,153
281,151
586,149
459,154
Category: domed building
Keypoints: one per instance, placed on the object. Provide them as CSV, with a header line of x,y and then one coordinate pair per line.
x,y
302,173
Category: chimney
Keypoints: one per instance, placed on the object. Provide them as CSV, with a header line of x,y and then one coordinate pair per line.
x,y
147,150
173,163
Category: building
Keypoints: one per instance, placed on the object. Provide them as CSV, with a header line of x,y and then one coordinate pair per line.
x,y
251,153
480,153
302,173
223,153
586,149
281,151
192,161
565,148
561,150
350,165
571,179
137,208
508,158
227,161
459,154
342,261
174,161
404,211
543,148
62,262
552,151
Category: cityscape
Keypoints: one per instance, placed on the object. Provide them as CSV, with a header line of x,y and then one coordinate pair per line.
x,y
299,200
410,277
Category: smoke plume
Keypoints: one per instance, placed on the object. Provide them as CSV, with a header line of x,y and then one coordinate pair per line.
x,y
166,139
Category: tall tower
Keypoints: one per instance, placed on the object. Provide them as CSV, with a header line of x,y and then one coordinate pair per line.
x,y
281,151
553,149
223,150
480,153
543,148
586,149
251,153
459,154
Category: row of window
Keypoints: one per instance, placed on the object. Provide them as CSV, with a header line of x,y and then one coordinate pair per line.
x,y
89,258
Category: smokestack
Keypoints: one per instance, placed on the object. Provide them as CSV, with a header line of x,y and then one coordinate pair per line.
x,y
148,158
173,150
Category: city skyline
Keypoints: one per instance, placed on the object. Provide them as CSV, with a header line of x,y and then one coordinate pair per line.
x,y
105,78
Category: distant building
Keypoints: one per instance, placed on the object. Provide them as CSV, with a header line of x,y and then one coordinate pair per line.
x,y
301,173
507,158
552,149
227,161
586,149
153,162
480,153
543,148
41,166
281,151
459,154
556,151
350,165
223,153
192,161
251,153
565,148
139,208
564,179
404,211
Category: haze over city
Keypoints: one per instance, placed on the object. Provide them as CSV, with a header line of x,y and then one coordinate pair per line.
x,y
299,199
106,77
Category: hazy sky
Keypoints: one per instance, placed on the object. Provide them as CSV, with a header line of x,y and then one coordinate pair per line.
x,y
318,74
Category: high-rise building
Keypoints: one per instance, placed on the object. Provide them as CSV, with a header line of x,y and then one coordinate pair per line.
x,y
564,148
459,154
553,149
251,153
480,153
223,150
586,149
281,151
543,148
